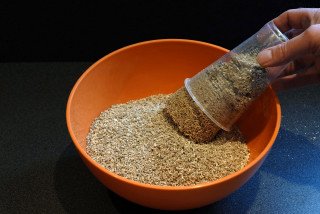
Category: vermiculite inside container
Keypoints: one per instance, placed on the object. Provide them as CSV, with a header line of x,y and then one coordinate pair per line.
x,y
189,118
234,85
217,96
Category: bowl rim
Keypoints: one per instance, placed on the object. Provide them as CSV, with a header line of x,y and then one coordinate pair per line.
x,y
231,176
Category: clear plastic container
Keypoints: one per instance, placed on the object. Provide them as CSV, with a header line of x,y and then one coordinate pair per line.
x,y
225,89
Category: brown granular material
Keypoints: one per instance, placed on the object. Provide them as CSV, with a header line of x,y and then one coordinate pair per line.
x,y
189,118
136,140
234,85
225,89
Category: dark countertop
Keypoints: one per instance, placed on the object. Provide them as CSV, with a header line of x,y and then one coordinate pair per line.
x,y
42,173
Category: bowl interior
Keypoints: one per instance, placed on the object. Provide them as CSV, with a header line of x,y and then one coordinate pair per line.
x,y
157,67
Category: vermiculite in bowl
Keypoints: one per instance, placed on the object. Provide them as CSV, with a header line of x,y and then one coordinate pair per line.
x,y
138,141
159,68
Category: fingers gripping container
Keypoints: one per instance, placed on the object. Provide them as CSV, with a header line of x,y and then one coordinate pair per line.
x,y
225,89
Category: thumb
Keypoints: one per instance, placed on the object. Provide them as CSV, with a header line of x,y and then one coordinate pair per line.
x,y
285,52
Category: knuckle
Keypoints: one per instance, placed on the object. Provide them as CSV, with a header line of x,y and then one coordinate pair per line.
x,y
287,12
316,16
281,51
292,10
312,34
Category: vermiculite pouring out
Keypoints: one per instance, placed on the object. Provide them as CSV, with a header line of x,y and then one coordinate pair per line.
x,y
217,96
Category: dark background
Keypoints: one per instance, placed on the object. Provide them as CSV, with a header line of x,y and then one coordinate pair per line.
x,y
77,31
40,171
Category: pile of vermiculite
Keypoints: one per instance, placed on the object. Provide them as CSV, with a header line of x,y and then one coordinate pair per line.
x,y
168,140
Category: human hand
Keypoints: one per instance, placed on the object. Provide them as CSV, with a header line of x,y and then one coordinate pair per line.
x,y
302,51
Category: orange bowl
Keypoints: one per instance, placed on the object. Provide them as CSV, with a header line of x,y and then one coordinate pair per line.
x,y
154,67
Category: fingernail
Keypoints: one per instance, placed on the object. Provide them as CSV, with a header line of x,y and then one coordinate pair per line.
x,y
264,57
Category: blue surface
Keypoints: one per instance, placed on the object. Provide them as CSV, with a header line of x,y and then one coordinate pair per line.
x,y
42,173
289,179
